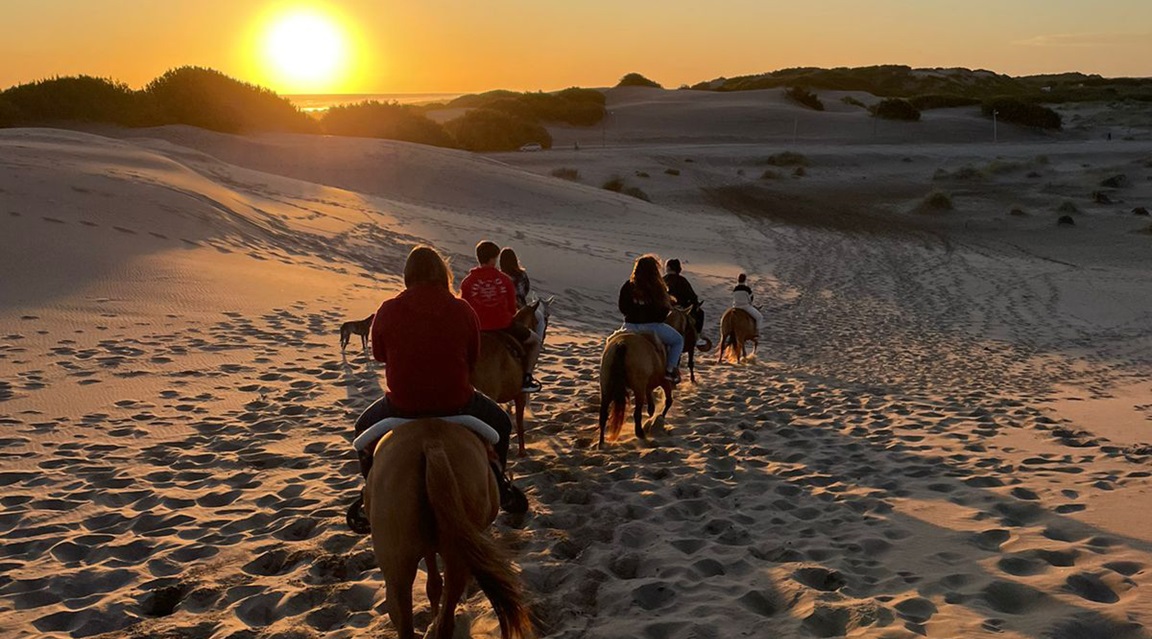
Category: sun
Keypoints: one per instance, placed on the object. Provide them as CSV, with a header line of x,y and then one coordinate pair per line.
x,y
306,51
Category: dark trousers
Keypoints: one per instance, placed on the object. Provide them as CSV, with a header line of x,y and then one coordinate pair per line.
x,y
480,407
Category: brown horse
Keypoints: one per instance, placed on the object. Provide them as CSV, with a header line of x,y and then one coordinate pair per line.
x,y
631,361
499,369
431,491
736,328
681,320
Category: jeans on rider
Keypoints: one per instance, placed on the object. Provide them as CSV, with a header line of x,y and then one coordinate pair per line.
x,y
480,407
670,337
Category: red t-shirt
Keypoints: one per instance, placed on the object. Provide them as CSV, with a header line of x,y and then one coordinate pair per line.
x,y
430,339
492,294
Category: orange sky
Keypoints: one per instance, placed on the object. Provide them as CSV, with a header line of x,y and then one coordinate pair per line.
x,y
458,46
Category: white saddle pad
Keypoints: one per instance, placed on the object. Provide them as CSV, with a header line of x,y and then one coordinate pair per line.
x,y
384,426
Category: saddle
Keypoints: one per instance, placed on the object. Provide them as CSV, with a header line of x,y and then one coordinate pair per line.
x,y
367,440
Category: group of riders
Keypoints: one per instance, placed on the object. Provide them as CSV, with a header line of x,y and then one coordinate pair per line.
x,y
430,340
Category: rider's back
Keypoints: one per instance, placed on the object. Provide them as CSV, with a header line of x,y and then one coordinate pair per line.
x,y
492,294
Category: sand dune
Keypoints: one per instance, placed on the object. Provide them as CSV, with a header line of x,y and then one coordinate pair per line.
x,y
945,431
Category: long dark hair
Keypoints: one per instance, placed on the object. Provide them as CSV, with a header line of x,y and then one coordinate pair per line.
x,y
509,263
426,266
648,285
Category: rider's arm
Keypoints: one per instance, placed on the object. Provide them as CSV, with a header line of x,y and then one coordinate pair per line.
x,y
625,302
473,329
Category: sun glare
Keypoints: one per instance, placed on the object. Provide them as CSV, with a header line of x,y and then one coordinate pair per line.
x,y
306,51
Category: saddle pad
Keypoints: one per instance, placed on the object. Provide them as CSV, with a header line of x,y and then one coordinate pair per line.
x,y
384,426
652,336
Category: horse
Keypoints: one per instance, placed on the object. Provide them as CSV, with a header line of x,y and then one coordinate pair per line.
x,y
631,361
499,369
431,492
681,319
736,328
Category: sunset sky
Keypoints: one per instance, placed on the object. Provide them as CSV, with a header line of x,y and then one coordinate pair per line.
x,y
387,46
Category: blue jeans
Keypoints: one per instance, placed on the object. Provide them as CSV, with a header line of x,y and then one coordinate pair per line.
x,y
668,335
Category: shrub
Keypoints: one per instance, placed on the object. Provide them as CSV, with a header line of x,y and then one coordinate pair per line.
x,y
941,101
9,114
211,100
388,121
799,172
642,174
615,183
937,201
575,106
1067,206
566,174
1018,111
1115,182
488,130
803,96
895,109
1018,212
637,80
672,171
853,101
1140,211
769,174
79,99
1066,220
786,158
636,193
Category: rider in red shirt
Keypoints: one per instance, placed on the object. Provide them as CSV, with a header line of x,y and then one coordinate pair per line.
x,y
492,294
430,339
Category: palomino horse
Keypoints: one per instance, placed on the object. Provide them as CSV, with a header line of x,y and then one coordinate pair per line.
x,y
431,491
631,361
681,320
736,328
499,370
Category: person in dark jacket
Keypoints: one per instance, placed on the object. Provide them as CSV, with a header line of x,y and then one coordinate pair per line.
x,y
682,293
645,304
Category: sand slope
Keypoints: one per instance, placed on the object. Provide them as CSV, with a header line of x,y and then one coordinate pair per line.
x,y
899,459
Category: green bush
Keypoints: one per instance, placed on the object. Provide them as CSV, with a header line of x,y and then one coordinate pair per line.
x,y
566,173
941,101
79,99
211,100
803,96
895,109
1018,111
786,158
637,80
937,201
488,130
575,106
388,121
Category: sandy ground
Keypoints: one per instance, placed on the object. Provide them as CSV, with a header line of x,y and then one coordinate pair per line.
x,y
946,432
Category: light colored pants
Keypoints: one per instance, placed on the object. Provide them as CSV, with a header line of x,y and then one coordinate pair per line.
x,y
668,335
754,312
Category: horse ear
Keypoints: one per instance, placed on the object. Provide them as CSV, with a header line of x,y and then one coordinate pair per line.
x,y
534,305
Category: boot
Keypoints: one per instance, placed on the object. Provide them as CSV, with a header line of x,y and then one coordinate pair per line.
x,y
512,499
356,518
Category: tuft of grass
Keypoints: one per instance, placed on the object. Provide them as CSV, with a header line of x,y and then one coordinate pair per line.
x,y
787,158
642,174
1067,206
799,172
769,174
672,171
615,184
803,96
1018,212
1115,182
964,173
636,193
566,173
1065,220
937,201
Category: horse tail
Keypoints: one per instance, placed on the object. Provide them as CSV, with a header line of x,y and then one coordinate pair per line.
x,y
616,390
488,563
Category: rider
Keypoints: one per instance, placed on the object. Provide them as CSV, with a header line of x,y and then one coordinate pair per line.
x,y
492,295
645,304
510,266
682,294
429,340
742,299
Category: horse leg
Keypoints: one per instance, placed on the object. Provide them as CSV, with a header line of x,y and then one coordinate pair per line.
x,y
456,578
651,404
720,355
692,361
435,585
398,578
667,398
636,415
521,400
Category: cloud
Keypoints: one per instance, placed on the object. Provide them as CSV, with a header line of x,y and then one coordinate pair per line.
x,y
1086,40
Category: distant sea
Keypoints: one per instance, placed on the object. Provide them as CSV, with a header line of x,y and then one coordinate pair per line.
x,y
321,102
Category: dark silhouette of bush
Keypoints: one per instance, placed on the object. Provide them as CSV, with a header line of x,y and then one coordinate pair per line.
x,y
211,100
803,96
637,80
853,102
1018,111
575,106
1065,220
936,201
672,171
385,120
636,193
786,158
9,114
566,173
488,130
614,183
895,109
941,101
79,99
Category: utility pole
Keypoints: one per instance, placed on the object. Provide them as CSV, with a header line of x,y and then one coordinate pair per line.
x,y
995,133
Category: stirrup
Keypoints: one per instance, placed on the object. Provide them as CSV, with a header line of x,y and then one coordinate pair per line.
x,y
356,519
512,499
530,385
